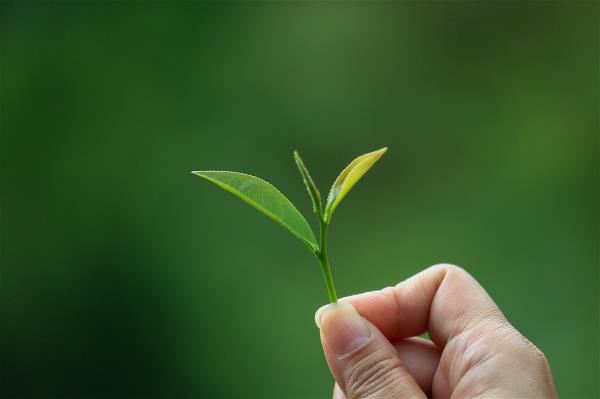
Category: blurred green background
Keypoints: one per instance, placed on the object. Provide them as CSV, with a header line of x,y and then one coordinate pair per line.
x,y
125,276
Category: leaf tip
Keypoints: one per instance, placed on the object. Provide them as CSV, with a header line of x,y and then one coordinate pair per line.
x,y
381,151
377,153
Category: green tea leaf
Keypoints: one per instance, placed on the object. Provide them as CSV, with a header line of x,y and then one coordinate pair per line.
x,y
348,178
311,187
266,198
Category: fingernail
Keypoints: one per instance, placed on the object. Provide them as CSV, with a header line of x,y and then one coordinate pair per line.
x,y
318,315
343,328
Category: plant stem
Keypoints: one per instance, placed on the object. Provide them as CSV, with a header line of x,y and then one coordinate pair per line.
x,y
322,256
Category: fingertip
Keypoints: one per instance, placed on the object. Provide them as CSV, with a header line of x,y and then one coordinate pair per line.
x,y
329,307
343,328
318,316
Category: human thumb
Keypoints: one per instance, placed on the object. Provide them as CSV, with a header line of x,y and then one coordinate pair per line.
x,y
363,362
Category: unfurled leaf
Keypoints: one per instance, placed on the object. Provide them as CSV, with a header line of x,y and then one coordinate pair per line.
x,y
266,198
312,189
348,178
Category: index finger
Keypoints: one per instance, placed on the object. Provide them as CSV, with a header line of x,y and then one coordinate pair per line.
x,y
443,300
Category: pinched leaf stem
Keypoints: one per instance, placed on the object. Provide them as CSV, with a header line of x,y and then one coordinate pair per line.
x,y
321,254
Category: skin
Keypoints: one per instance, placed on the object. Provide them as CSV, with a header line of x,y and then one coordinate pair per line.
x,y
371,345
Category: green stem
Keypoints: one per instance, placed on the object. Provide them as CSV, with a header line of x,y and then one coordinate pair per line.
x,y
322,256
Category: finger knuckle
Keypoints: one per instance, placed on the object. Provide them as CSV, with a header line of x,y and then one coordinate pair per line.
x,y
371,374
540,357
538,362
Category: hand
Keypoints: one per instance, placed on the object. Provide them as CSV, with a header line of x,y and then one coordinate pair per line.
x,y
372,350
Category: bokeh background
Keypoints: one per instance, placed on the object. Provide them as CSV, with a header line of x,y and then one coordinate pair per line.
x,y
124,276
